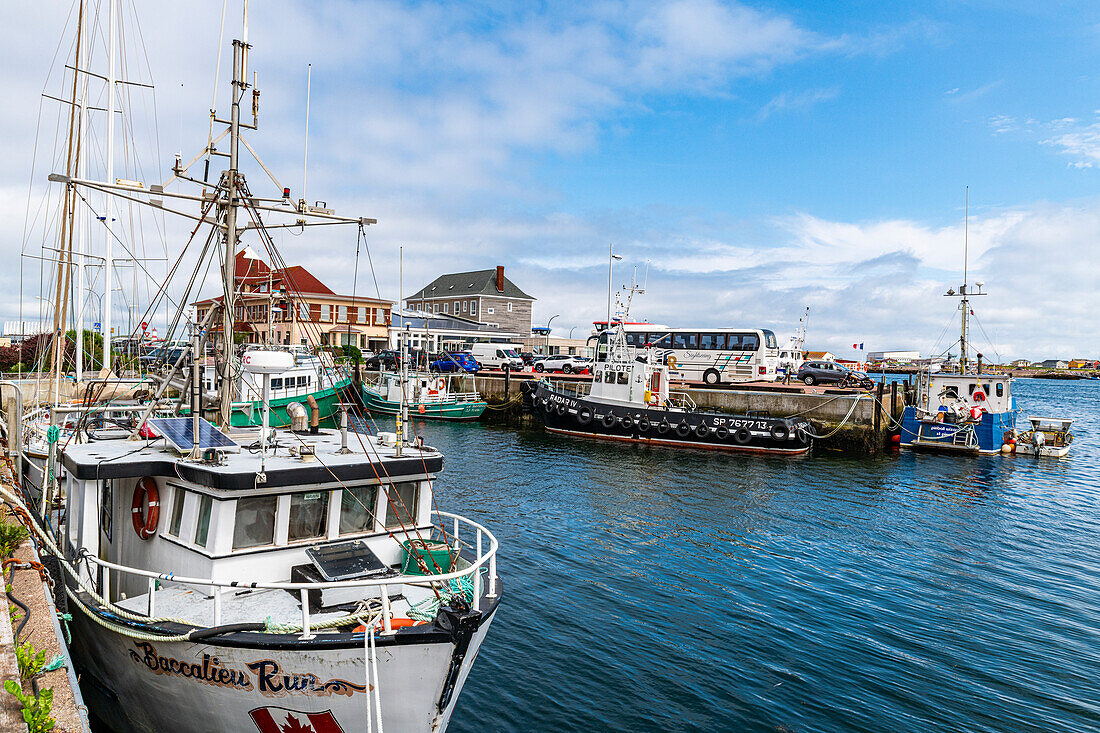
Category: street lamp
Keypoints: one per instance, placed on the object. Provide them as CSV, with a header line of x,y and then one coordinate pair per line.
x,y
548,332
611,257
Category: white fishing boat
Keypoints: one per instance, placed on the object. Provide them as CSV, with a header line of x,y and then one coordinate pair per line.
x,y
270,579
1048,436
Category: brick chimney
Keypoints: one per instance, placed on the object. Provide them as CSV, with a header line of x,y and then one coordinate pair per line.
x,y
500,278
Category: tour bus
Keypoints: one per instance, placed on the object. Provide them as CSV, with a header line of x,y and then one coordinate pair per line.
x,y
712,355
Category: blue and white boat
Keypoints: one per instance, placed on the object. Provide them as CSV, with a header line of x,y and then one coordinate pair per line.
x,y
967,412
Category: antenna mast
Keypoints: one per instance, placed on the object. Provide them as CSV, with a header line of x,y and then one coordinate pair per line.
x,y
965,299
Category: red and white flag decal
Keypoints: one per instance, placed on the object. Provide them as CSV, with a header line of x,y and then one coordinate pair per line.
x,y
281,720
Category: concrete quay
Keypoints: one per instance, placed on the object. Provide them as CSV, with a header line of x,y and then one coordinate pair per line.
x,y
855,421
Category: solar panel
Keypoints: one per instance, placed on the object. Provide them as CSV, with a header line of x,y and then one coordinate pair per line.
x,y
178,431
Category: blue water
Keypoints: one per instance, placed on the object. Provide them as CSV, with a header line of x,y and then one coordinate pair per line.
x,y
649,589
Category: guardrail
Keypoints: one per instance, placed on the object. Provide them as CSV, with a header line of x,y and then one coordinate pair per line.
x,y
482,558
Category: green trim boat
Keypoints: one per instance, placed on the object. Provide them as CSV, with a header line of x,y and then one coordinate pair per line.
x,y
429,397
251,414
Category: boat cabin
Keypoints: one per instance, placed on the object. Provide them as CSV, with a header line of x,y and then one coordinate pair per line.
x,y
627,376
217,520
963,392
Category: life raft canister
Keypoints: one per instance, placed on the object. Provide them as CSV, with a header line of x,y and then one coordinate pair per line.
x,y
146,494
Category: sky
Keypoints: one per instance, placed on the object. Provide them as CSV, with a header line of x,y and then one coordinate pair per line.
x,y
747,160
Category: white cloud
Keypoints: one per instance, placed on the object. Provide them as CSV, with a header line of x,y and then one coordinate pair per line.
x,y
796,101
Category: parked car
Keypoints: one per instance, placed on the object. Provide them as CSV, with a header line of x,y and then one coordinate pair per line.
x,y
563,363
828,372
528,357
454,362
388,359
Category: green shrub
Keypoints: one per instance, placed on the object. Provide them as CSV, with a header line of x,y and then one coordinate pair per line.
x,y
30,662
11,536
36,710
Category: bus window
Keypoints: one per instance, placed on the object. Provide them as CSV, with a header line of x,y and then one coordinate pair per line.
x,y
634,338
710,341
750,342
685,340
661,339
769,340
733,342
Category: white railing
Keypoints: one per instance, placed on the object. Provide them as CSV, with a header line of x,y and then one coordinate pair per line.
x,y
482,558
682,400
461,397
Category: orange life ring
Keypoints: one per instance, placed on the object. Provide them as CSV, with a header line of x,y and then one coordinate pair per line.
x,y
145,495
979,396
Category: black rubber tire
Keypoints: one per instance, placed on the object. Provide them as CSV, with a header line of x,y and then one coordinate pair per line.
x,y
540,368
780,431
683,430
701,430
721,432
546,406
627,422
567,368
561,409
803,436
643,425
809,380
584,416
711,376
608,420
663,427
742,436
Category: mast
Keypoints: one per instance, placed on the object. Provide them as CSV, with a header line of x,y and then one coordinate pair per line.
x,y
108,251
965,300
239,85
81,171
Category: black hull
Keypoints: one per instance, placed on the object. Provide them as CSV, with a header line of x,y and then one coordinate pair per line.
x,y
591,418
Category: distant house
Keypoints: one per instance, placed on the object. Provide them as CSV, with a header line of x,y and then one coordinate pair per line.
x,y
1021,363
1052,364
1080,364
484,296
898,357
820,356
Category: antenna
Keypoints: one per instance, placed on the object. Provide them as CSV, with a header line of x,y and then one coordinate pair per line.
x,y
305,152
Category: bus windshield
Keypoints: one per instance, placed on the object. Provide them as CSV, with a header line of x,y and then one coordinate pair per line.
x,y
769,340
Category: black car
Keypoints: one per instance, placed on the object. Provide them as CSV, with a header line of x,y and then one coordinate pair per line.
x,y
828,372
388,359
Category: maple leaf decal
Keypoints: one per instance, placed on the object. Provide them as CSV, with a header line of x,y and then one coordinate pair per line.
x,y
294,726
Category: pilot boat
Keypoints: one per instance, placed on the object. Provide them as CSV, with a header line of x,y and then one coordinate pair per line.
x,y
629,401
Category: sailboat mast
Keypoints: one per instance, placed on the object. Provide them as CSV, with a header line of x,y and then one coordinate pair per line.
x,y
108,248
240,71
82,224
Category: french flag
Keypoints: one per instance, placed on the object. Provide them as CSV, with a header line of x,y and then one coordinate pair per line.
x,y
281,720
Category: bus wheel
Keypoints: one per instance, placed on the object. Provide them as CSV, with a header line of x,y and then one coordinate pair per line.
x,y
711,376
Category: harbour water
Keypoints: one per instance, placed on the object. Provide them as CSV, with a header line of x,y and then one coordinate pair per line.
x,y
651,589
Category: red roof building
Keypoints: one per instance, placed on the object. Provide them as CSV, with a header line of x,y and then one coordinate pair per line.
x,y
297,308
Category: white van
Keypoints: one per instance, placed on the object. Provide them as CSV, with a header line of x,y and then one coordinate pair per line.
x,y
498,356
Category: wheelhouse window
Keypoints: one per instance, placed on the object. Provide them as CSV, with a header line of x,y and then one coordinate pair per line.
x,y
308,516
276,383
357,509
401,504
178,495
255,522
202,527
1000,389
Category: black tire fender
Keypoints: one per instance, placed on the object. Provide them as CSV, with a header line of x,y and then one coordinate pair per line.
x,y
683,430
584,415
561,409
742,436
721,432
663,427
701,430
643,425
608,420
781,431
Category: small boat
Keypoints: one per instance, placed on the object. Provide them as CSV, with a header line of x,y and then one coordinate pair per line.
x,y
629,400
427,395
1049,436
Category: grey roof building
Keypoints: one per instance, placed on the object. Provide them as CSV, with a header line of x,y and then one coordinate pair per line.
x,y
484,296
